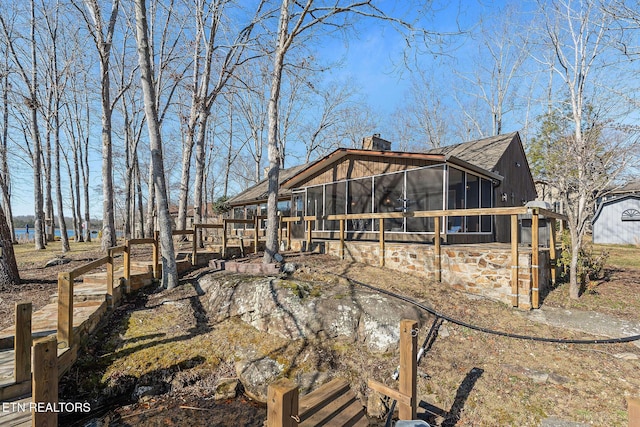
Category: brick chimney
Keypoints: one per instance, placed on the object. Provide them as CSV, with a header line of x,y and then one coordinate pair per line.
x,y
375,143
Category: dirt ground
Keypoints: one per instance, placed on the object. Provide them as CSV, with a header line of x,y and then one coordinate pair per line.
x,y
467,378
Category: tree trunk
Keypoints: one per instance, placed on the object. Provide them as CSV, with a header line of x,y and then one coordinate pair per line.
x,y
85,186
199,182
9,276
169,268
140,217
271,247
183,200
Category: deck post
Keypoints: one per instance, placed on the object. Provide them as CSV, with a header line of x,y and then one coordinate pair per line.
x,y
280,227
633,404
342,238
44,388
553,256
110,278
194,248
437,249
309,235
224,238
65,310
22,343
535,257
514,260
381,220
256,223
156,254
282,404
127,265
408,368
289,235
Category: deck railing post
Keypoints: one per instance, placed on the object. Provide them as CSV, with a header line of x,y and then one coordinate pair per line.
x,y
65,310
45,380
194,248
514,260
309,229
633,404
342,238
127,265
224,238
289,235
156,254
381,242
110,278
437,249
408,368
256,224
22,343
553,256
535,257
282,404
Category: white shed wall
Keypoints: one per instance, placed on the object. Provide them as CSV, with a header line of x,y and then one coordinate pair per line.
x,y
609,227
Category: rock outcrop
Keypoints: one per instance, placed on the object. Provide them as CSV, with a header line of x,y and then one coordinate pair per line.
x,y
296,309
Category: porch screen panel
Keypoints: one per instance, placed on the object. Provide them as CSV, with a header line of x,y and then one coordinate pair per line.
x,y
389,195
455,197
334,203
251,213
486,201
473,202
238,213
297,228
314,204
360,194
424,193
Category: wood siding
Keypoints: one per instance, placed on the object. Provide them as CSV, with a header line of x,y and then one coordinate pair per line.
x,y
352,167
518,185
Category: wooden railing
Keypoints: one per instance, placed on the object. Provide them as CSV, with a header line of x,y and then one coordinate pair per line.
x,y
440,217
286,409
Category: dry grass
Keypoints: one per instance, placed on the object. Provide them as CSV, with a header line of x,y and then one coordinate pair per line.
x,y
473,379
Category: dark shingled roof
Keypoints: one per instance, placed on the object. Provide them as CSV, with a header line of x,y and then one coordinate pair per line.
x,y
259,191
484,153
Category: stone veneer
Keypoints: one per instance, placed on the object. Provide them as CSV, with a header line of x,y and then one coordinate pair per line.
x,y
477,269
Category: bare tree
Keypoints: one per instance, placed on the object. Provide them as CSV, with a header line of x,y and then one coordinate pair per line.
x,y
9,275
30,80
297,18
207,85
584,161
102,33
169,268
5,176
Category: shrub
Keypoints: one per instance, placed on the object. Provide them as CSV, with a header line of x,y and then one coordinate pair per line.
x,y
591,264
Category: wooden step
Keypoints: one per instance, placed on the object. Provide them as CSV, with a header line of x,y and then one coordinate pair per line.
x,y
332,404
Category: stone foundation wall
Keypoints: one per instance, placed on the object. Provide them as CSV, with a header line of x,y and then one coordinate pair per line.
x,y
474,269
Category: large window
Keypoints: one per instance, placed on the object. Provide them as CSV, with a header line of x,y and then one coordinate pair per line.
x,y
469,191
360,191
456,193
314,203
424,193
389,197
335,200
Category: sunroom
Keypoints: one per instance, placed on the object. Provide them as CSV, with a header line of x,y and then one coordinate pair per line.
x,y
437,186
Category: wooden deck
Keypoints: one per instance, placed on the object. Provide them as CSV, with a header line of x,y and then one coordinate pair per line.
x,y
90,303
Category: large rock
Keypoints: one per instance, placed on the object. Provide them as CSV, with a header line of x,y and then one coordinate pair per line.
x,y
296,309
256,375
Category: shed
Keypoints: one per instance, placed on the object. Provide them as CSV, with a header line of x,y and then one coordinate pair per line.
x,y
617,221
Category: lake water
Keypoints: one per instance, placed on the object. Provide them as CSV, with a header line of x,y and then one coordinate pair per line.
x,y
22,232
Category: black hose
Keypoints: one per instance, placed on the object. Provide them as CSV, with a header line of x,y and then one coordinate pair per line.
x,y
491,331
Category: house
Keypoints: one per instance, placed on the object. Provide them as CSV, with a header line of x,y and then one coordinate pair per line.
x,y
617,220
335,198
486,173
